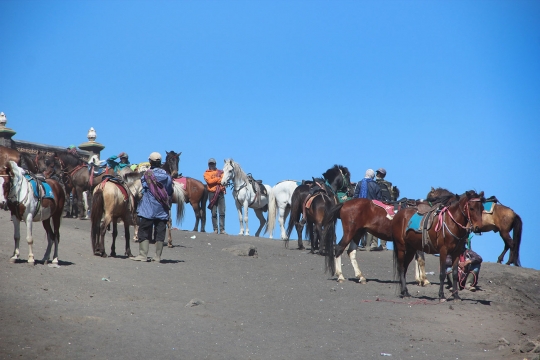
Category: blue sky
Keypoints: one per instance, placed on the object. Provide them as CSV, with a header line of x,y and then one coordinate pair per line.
x,y
438,93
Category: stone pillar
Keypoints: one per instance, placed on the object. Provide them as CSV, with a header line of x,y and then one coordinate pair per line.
x,y
5,133
92,146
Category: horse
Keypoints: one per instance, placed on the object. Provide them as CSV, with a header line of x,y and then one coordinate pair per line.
x,y
196,193
80,176
339,179
245,196
447,236
22,159
358,216
282,197
18,192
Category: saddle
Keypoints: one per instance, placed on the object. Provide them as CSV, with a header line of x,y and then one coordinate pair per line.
x,y
182,181
118,182
42,190
257,185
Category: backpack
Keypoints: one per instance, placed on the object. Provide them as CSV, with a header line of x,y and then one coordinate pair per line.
x,y
386,190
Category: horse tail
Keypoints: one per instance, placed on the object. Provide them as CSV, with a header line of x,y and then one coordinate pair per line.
x,y
517,230
95,216
272,209
329,236
296,211
179,198
329,233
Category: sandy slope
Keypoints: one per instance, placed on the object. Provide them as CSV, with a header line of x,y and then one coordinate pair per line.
x,y
278,305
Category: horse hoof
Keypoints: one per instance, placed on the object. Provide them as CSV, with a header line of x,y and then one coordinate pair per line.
x,y
170,246
442,300
341,281
113,254
55,261
104,255
13,260
362,281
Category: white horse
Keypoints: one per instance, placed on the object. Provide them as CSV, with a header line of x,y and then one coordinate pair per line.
x,y
245,196
18,193
281,196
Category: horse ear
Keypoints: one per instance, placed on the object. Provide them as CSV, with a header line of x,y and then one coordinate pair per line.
x,y
432,188
180,153
481,194
166,152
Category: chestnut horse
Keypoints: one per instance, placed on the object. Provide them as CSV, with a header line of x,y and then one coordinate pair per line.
x,y
23,160
196,193
448,234
18,192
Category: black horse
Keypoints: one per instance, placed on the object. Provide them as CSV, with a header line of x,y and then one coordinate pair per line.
x,y
336,183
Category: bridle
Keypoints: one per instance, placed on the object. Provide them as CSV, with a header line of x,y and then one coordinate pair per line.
x,y
441,224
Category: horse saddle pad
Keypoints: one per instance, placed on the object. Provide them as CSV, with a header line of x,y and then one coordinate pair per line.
x,y
42,190
489,206
258,186
388,208
182,181
119,183
415,223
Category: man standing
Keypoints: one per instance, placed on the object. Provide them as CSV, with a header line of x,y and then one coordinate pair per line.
x,y
153,209
367,188
216,195
387,194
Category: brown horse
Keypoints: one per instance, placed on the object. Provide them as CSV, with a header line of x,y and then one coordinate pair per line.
x,y
18,192
448,234
196,193
80,177
502,219
23,160
358,216
111,201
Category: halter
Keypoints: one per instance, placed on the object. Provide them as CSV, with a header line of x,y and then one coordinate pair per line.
x,y
441,224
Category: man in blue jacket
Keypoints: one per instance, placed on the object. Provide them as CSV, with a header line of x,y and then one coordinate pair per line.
x,y
154,207
367,188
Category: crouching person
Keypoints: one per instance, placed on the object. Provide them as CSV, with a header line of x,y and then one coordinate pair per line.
x,y
468,269
154,207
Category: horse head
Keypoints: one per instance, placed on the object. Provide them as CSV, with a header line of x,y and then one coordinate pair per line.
x,y
8,176
171,163
228,172
339,178
474,209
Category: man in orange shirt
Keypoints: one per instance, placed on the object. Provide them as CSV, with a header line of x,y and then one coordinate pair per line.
x,y
216,195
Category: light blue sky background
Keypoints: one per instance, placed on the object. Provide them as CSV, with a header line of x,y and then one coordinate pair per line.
x,y
438,93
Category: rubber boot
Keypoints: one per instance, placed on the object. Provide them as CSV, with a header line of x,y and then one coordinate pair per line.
x,y
159,250
469,282
143,251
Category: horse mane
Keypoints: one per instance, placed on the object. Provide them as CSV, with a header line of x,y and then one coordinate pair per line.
x,y
237,170
335,172
440,195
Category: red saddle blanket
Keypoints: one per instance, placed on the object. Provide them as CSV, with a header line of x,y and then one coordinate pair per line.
x,y
388,208
182,181
119,186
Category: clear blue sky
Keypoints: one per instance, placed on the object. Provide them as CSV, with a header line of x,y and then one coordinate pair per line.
x,y
438,93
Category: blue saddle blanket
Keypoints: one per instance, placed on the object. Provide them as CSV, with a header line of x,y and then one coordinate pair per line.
x,y
488,206
47,190
414,223
98,169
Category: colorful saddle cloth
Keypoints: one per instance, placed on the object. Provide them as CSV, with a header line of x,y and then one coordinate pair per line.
x,y
415,223
182,181
489,206
388,208
42,190
119,183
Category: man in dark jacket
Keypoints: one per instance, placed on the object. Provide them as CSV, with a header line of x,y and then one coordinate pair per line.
x,y
387,193
468,269
153,209
367,188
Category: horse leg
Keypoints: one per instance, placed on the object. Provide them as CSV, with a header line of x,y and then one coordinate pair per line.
x,y
407,258
197,211
100,246
30,239
357,271
239,209
16,237
246,221
455,277
136,234
283,213
420,269
85,204
508,244
126,235
262,220
339,272
299,229
114,235
50,236
399,252
56,219
80,203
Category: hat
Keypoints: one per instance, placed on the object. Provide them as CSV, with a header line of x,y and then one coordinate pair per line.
x,y
211,161
155,156
71,147
382,171
123,155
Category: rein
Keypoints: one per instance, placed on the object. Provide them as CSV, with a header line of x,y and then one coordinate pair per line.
x,y
441,224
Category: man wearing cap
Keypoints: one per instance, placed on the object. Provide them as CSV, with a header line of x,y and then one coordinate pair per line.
x,y
367,188
124,162
216,195
387,194
153,209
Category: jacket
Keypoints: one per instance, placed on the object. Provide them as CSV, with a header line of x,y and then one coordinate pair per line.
x,y
213,179
386,189
149,207
373,193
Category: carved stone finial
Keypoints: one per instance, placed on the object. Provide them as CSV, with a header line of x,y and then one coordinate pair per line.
x,y
91,135
3,119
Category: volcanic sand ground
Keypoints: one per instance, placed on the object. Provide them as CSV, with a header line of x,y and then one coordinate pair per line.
x,y
277,305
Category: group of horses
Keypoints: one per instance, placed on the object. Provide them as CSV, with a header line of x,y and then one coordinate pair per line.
x,y
317,204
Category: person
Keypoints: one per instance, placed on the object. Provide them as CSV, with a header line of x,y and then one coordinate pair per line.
x,y
117,166
468,269
387,194
153,209
367,188
216,195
